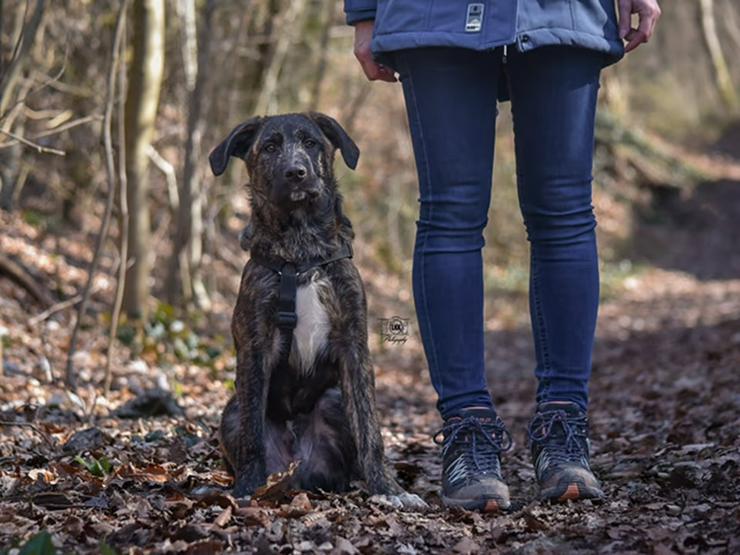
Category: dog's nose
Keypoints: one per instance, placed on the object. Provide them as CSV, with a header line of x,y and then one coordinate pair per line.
x,y
296,173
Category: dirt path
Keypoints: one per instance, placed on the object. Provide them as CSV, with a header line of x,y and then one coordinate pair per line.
x,y
665,412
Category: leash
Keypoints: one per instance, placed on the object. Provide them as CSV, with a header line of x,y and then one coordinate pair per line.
x,y
287,319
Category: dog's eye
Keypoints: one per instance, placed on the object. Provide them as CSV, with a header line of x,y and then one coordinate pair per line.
x,y
309,143
269,147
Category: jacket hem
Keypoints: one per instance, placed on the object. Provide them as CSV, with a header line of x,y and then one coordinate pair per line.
x,y
525,41
534,38
355,16
398,41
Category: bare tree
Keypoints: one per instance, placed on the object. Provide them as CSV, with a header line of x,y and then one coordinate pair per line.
x,y
20,53
71,374
26,32
142,99
185,276
721,71
289,31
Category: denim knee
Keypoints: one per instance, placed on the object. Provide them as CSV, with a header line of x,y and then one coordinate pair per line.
x,y
451,225
560,228
557,209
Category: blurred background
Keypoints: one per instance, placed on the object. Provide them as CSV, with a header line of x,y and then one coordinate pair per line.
x,y
187,71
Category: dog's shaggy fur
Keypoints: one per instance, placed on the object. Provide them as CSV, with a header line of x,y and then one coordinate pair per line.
x,y
322,410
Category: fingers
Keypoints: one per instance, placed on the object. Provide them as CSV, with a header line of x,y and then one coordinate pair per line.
x,y
373,70
625,15
648,12
377,72
634,40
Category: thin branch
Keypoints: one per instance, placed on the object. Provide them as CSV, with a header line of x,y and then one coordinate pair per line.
x,y
71,377
20,28
722,77
41,316
31,425
161,163
123,224
37,147
56,131
48,82
23,47
20,275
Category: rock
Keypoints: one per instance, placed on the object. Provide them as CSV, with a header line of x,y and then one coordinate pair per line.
x,y
89,439
151,403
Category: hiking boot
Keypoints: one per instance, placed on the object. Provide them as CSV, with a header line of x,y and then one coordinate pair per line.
x,y
558,435
471,468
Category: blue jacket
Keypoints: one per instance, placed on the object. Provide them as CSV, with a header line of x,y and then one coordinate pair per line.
x,y
487,24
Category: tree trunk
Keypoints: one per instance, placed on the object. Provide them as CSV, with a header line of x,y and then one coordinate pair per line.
x,y
9,159
142,98
185,278
289,31
22,49
721,72
321,52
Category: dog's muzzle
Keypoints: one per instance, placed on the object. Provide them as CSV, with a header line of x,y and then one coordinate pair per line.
x,y
304,193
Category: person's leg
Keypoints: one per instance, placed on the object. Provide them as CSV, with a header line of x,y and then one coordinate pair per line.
x,y
553,92
450,96
553,95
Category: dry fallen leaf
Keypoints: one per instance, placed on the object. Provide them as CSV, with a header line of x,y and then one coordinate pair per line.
x,y
223,518
299,506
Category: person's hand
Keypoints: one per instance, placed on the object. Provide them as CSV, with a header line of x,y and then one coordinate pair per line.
x,y
373,70
648,13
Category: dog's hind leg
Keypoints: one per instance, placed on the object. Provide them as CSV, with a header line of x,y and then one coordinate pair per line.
x,y
325,447
228,434
350,349
278,441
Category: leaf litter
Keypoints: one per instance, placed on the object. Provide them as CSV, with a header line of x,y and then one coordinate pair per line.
x,y
140,471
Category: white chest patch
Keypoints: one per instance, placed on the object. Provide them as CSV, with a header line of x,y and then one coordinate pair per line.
x,y
312,330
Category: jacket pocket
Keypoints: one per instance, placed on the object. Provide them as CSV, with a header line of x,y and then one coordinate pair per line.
x,y
551,14
596,17
401,16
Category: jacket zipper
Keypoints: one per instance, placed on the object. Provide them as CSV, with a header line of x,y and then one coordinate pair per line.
x,y
503,59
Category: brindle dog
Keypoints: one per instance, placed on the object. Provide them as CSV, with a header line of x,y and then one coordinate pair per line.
x,y
320,411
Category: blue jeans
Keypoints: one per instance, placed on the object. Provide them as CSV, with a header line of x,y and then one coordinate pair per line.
x,y
450,96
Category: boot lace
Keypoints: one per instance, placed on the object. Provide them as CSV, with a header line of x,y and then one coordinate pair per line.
x,y
563,435
482,442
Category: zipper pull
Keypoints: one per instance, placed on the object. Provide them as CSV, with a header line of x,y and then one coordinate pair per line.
x,y
505,51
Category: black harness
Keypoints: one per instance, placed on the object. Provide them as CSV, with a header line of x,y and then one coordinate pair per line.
x,y
287,319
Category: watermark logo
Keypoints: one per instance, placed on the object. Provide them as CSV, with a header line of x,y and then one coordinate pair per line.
x,y
394,329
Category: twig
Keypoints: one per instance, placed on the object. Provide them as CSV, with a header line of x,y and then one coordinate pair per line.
x,y
60,129
71,378
41,316
20,53
31,425
50,81
161,163
20,275
123,226
37,147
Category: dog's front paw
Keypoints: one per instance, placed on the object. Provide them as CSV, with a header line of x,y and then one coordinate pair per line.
x,y
245,486
402,501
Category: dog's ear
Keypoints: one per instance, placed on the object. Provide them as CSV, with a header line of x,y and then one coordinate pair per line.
x,y
237,144
338,137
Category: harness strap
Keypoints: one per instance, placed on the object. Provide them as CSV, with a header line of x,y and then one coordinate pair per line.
x,y
287,319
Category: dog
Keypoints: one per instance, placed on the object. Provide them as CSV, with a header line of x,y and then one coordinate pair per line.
x,y
305,388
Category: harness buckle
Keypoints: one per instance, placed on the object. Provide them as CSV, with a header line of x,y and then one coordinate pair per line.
x,y
286,319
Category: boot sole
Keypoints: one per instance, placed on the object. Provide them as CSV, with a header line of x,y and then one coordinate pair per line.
x,y
486,505
571,491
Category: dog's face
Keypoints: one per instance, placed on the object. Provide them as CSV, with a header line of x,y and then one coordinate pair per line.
x,y
289,157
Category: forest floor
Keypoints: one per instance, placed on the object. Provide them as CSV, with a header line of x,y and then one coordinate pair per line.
x,y
82,474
